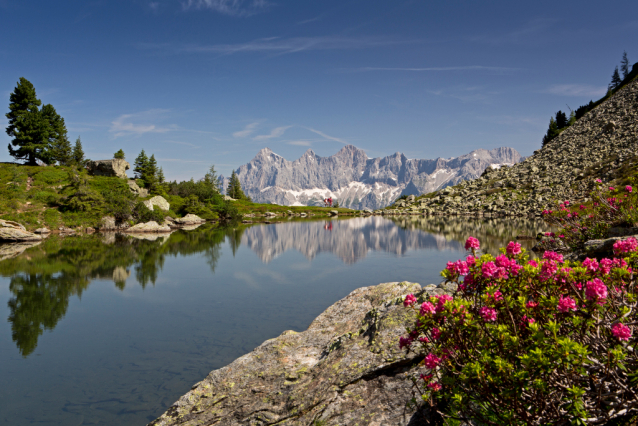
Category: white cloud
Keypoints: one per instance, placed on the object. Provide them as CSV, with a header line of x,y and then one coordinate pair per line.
x,y
278,45
248,130
577,90
139,123
229,7
300,143
275,133
323,135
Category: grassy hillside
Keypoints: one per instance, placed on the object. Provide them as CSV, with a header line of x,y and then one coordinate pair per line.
x,y
55,196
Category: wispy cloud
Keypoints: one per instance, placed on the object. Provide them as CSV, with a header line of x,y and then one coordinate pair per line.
x,y
154,6
533,31
248,130
181,160
275,133
278,45
458,68
299,143
139,123
323,135
577,90
229,7
184,143
307,21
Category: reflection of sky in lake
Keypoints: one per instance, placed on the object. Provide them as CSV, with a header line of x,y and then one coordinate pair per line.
x,y
122,354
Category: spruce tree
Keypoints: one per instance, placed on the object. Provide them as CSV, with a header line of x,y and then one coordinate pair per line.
x,y
624,65
212,179
140,165
615,80
552,132
59,145
561,120
27,126
234,188
119,155
160,175
150,175
78,153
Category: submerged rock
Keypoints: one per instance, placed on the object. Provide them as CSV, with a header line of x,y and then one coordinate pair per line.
x,y
346,370
13,231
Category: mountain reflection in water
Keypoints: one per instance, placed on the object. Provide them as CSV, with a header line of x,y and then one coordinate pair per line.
x,y
44,276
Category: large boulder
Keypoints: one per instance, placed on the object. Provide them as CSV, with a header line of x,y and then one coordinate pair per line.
x,y
14,232
8,251
189,219
346,369
135,189
151,226
108,223
158,201
115,167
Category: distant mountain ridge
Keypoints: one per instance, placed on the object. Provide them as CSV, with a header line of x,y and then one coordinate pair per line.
x,y
355,180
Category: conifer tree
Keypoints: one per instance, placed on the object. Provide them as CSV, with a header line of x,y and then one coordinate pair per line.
x,y
624,65
552,132
234,188
615,80
561,119
150,175
160,175
140,165
59,145
212,179
27,126
119,155
78,153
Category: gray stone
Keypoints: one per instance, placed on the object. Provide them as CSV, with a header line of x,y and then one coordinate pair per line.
x,y
13,231
115,167
135,188
189,219
334,212
11,250
158,201
42,231
346,369
227,198
151,226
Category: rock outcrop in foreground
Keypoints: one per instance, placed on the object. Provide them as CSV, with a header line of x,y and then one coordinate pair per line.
x,y
13,232
602,144
346,369
115,167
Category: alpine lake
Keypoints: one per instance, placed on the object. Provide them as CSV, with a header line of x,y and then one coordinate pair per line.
x,y
111,329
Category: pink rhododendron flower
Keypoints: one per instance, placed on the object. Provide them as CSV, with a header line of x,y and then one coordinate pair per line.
x,y
472,243
596,290
531,304
590,264
513,248
548,269
471,261
488,269
440,301
627,246
427,309
409,300
611,188
502,261
431,361
501,273
404,342
527,320
498,296
436,333
551,255
488,314
581,207
621,331
424,339
461,267
565,304
426,377
533,263
599,181
628,188
435,386
606,265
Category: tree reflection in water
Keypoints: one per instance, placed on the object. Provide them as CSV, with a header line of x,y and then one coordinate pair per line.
x,y
44,277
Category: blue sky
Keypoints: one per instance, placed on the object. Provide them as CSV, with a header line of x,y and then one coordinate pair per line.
x,y
201,82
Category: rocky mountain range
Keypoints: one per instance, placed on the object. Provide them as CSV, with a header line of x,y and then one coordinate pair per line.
x,y
356,181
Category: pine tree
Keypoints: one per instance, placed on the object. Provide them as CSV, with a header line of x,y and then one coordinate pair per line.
x,y
160,175
212,179
624,65
615,80
140,165
119,155
234,187
572,118
150,175
78,153
27,126
552,132
561,120
59,145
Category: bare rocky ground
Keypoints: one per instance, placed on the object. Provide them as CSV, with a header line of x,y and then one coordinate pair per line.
x,y
601,145
346,369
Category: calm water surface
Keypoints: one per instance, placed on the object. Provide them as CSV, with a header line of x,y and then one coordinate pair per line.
x,y
111,330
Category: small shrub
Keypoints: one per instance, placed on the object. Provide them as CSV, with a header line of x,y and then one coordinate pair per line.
x,y
144,214
531,342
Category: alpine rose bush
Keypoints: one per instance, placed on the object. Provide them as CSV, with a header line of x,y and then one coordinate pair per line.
x,y
530,342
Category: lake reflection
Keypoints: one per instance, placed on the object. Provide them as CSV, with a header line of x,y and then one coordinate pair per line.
x,y
112,329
